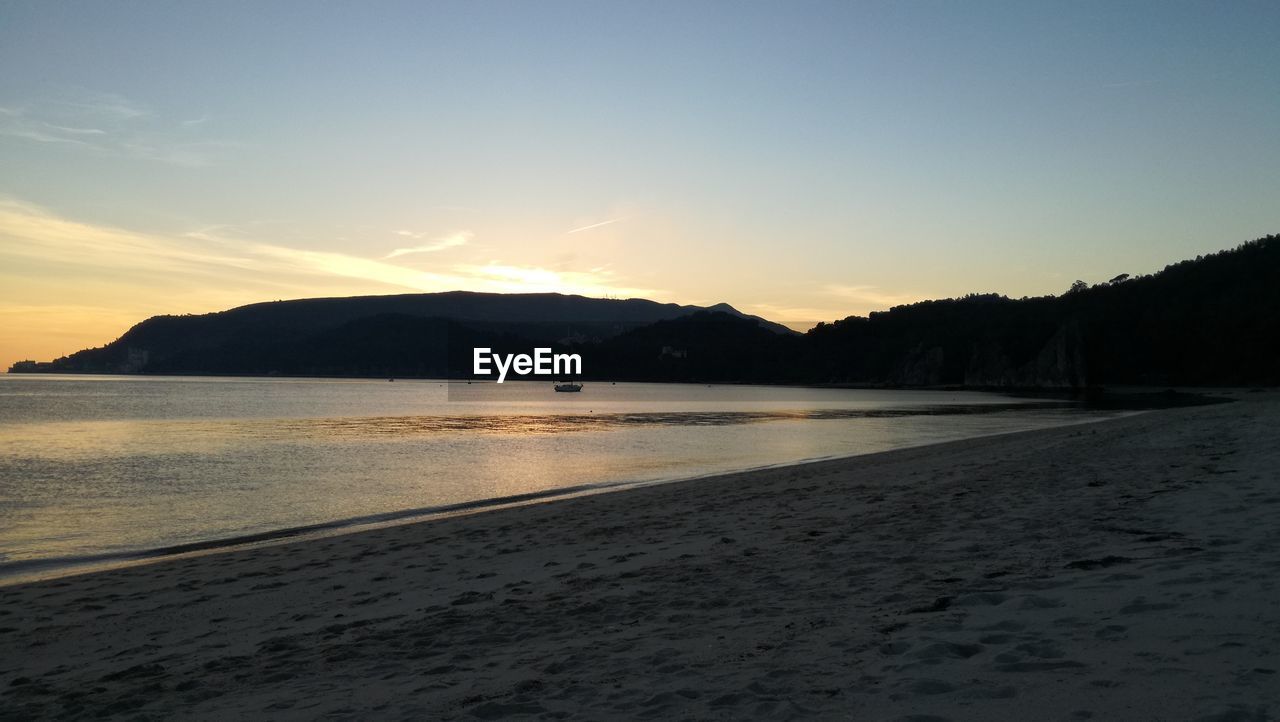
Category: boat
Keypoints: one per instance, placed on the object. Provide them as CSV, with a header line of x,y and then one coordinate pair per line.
x,y
568,386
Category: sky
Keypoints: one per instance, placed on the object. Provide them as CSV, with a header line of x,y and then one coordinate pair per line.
x,y
803,161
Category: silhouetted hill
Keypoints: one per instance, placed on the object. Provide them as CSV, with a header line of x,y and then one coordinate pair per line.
x,y
701,347
1210,321
1214,320
302,336
384,345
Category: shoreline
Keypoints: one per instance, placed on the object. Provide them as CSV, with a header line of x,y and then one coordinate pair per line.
x,y
44,569
1114,569
1126,392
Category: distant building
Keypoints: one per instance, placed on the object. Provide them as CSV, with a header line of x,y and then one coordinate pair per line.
x,y
673,352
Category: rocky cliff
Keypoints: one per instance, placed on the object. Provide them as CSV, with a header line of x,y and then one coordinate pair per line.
x,y
1059,364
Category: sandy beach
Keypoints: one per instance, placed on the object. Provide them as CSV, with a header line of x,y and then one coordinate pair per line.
x,y
1119,570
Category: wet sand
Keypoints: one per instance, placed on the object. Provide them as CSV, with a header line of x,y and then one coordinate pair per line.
x,y
1119,570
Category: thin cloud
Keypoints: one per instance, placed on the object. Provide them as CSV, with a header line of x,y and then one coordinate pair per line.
x,y
77,131
109,106
504,278
870,295
34,132
109,124
452,240
209,260
595,225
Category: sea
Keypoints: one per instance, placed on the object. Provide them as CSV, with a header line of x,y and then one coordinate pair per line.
x,y
99,470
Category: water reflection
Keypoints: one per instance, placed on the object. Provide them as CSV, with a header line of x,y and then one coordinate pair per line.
x,y
99,466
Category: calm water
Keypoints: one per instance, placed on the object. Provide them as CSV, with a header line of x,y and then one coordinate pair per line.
x,y
94,467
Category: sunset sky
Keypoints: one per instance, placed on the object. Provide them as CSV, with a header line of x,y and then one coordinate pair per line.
x,y
800,160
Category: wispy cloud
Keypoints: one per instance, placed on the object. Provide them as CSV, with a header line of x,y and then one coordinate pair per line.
x,y
108,106
870,296
504,278
219,258
108,124
76,131
595,225
453,240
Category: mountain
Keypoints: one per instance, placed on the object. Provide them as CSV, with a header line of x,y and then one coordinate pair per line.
x,y
707,346
1214,320
348,336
